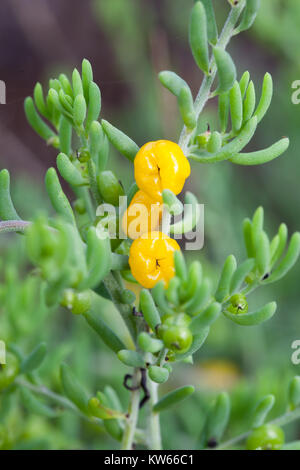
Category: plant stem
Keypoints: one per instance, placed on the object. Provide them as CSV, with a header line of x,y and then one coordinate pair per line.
x,y
85,195
133,411
204,92
58,399
287,418
93,183
13,226
115,291
154,439
154,424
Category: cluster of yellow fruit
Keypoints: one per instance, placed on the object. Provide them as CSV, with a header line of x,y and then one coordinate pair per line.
x,y
157,166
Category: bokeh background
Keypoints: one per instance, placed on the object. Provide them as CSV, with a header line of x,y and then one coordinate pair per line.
x,y
128,43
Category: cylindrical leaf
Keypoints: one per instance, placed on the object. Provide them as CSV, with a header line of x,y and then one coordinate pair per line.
x,y
253,318
69,172
200,299
223,111
186,107
36,121
77,83
104,331
40,100
236,107
212,31
7,209
79,110
158,374
249,102
206,318
262,409
198,36
65,135
57,196
244,83
172,82
226,70
218,418
249,15
131,358
173,398
266,97
257,225
87,78
263,253
225,278
294,392
240,274
98,259
180,266
34,405
149,344
94,105
283,235
120,141
262,156
35,358
73,389
149,309
288,261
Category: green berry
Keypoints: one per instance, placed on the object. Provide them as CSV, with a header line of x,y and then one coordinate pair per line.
x,y
84,156
81,303
179,319
238,304
178,339
266,437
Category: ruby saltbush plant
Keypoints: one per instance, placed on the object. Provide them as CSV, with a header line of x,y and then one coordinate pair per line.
x,y
79,263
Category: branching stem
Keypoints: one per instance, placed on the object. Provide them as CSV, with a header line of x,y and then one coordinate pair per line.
x,y
205,89
133,412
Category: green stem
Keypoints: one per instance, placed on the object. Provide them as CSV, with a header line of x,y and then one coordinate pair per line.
x,y
154,439
287,418
85,195
13,226
133,411
204,92
154,424
58,399
115,291
93,182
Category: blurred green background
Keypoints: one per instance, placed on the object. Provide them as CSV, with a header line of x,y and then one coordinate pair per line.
x,y
128,43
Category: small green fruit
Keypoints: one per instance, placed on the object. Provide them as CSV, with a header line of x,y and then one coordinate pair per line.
x,y
82,303
179,319
84,156
178,339
238,304
78,303
266,437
